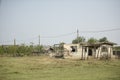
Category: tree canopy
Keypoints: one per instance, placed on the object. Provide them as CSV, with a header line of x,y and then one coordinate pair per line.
x,y
104,39
78,40
92,40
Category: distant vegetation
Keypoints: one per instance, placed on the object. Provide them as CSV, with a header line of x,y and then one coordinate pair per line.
x,y
20,50
78,40
91,40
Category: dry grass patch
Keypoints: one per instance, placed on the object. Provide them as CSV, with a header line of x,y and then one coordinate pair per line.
x,y
45,68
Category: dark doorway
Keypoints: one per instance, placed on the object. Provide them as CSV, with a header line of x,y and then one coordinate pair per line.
x,y
90,52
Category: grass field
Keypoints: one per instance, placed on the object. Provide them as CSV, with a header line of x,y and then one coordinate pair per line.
x,y
45,68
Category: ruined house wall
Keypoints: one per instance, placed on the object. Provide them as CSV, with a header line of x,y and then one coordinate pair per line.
x,y
83,51
71,54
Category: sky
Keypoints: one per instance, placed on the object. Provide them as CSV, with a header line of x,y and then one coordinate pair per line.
x,y
58,20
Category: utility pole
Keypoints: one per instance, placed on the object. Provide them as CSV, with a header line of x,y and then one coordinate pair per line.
x,y
78,35
39,40
14,41
39,44
14,46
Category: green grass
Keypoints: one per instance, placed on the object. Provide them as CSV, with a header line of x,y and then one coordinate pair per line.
x,y
45,68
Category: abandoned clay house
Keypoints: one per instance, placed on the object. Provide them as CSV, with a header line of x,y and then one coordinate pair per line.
x,y
86,50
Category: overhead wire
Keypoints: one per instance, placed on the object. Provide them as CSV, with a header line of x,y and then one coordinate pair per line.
x,y
67,34
6,41
57,36
107,30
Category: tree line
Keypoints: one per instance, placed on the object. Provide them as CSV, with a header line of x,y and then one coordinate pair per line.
x,y
20,50
91,40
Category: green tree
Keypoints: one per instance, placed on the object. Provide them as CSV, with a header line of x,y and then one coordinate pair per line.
x,y
21,50
11,50
92,40
104,39
38,48
1,50
78,40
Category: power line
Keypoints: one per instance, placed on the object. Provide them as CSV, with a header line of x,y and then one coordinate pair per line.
x,y
6,41
67,34
62,35
107,30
